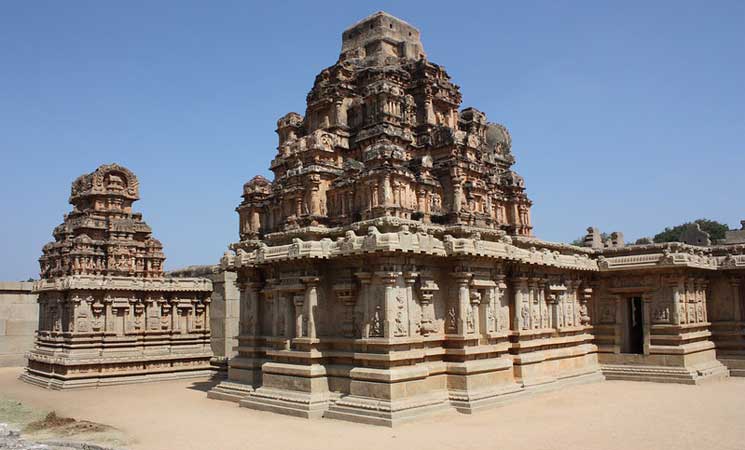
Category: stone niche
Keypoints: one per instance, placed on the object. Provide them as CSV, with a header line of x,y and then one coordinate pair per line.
x,y
107,315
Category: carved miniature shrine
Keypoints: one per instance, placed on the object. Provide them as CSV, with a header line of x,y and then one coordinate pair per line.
x,y
106,313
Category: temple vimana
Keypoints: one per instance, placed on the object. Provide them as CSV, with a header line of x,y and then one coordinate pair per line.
x,y
107,315
388,271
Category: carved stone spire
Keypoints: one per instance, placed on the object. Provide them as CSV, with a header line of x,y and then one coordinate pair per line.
x,y
102,235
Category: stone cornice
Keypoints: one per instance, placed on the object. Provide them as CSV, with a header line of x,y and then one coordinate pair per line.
x,y
660,260
92,282
433,240
406,242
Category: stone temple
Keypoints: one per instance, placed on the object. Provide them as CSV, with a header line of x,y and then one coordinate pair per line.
x,y
388,271
107,315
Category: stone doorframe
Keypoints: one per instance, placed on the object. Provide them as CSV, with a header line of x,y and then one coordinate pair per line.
x,y
622,295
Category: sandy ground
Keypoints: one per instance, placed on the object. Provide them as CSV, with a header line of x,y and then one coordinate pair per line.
x,y
606,415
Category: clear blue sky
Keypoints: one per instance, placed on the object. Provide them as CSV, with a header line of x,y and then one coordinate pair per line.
x,y
628,115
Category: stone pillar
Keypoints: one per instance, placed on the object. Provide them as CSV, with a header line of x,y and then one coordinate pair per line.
x,y
585,299
298,301
488,311
474,318
457,193
736,305
409,280
647,299
619,322
553,307
289,316
690,300
109,325
205,305
429,110
464,301
677,286
701,284
387,191
389,301
365,281
270,301
542,306
374,200
522,303
315,201
311,303
535,311
499,293
427,290
249,308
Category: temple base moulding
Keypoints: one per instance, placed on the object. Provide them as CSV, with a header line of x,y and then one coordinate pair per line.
x,y
52,382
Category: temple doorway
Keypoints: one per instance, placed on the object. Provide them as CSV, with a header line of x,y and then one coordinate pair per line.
x,y
634,339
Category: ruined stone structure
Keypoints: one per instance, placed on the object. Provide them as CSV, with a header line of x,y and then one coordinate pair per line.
x,y
106,313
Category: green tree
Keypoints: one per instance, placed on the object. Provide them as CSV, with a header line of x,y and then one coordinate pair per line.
x,y
715,229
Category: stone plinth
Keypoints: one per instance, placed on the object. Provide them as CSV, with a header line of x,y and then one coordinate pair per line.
x,y
352,329
97,331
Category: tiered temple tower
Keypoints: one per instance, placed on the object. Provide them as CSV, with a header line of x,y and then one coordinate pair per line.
x,y
383,136
107,314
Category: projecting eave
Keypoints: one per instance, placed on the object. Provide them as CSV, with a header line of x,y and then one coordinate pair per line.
x,y
375,242
662,260
122,283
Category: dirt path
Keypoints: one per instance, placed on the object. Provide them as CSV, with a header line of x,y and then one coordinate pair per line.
x,y
608,415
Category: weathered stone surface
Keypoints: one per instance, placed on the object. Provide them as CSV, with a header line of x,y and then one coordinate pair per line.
x,y
735,236
106,313
18,317
694,235
224,308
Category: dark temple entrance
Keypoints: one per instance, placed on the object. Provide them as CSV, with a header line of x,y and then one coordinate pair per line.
x,y
634,330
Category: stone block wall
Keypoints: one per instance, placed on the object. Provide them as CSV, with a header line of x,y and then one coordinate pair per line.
x,y
224,309
19,314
